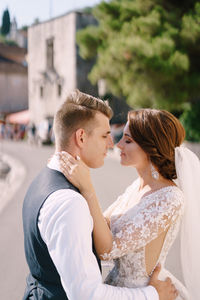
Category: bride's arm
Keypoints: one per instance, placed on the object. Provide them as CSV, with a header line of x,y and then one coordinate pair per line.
x,y
79,175
102,235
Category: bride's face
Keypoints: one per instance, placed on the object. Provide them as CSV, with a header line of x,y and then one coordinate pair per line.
x,y
131,153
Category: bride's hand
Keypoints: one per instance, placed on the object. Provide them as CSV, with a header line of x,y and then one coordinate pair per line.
x,y
75,171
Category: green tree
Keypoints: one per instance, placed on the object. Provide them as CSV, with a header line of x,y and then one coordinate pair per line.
x,y
36,21
5,28
24,27
190,120
147,51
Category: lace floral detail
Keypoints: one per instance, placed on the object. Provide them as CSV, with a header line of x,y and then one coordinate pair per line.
x,y
145,221
134,225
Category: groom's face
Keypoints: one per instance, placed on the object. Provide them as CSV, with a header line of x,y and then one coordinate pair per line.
x,y
98,141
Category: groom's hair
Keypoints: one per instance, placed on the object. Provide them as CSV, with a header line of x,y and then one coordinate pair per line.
x,y
77,111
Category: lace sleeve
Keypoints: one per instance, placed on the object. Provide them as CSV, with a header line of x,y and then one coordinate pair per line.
x,y
153,215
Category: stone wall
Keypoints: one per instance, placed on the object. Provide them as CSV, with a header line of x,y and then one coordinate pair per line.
x,y
62,31
83,67
69,71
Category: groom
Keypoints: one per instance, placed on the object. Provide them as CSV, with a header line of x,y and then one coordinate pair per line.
x,y
57,223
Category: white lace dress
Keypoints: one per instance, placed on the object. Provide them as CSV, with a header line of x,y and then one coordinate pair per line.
x,y
134,226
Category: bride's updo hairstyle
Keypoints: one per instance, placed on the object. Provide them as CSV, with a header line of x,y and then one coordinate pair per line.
x,y
157,132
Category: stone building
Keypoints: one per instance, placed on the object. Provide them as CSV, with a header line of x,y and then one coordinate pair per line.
x,y
13,79
19,36
54,65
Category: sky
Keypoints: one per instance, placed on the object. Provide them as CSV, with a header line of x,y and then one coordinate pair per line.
x,y
26,11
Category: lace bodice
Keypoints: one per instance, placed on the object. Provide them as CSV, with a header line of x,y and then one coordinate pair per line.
x,y
136,224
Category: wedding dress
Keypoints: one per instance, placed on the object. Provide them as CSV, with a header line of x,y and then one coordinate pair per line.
x,y
134,225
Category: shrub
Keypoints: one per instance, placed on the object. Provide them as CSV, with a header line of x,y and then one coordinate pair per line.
x,y
191,121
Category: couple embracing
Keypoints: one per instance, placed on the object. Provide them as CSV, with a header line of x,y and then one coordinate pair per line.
x,y
65,232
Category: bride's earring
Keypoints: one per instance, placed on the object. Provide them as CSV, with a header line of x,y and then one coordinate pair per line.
x,y
154,173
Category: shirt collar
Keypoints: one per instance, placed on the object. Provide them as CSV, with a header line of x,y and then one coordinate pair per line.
x,y
54,163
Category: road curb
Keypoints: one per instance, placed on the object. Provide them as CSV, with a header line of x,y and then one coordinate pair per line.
x,y
14,180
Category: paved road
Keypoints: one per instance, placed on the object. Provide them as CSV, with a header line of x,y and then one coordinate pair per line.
x,y
13,267
109,182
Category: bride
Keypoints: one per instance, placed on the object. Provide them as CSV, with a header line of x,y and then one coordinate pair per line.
x,y
139,228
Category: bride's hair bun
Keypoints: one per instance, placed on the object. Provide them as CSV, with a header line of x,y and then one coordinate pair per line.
x,y
157,132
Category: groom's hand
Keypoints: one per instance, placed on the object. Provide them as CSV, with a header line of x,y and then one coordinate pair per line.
x,y
166,290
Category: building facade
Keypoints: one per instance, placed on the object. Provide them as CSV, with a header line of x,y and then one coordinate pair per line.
x,y
19,36
54,65
13,79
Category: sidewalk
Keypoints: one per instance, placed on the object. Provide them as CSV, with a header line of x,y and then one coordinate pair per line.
x,y
13,181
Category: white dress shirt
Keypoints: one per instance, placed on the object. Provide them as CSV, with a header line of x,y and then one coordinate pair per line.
x,y
66,227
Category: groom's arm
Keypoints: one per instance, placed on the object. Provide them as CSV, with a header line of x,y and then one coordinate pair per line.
x,y
66,226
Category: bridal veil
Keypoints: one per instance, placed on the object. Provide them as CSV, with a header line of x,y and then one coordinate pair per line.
x,y
188,177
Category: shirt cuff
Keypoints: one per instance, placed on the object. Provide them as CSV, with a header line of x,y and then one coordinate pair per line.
x,y
150,293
